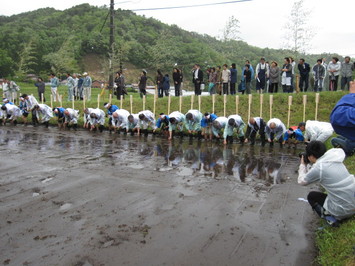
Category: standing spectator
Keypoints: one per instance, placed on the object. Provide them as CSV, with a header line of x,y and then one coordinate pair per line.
x,y
286,76
80,87
212,81
177,78
197,79
41,86
54,86
166,84
325,65
219,80
142,84
304,70
293,64
261,74
226,77
118,86
87,83
233,79
70,84
346,73
319,74
75,89
334,71
13,89
160,80
247,74
274,77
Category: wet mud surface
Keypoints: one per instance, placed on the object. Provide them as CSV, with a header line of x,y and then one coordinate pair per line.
x,y
85,198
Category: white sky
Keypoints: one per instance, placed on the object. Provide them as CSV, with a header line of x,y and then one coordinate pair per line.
x,y
261,21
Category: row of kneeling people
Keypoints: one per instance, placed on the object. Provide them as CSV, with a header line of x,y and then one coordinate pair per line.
x,y
207,125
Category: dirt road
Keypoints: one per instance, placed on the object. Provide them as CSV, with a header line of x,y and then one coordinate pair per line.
x,y
82,198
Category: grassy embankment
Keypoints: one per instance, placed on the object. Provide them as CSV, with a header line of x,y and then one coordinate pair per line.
x,y
336,245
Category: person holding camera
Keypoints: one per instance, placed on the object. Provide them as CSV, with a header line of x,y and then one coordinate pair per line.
x,y
328,169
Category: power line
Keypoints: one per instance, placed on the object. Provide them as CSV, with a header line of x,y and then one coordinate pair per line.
x,y
190,6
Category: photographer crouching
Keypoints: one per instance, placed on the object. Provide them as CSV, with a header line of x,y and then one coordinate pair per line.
x,y
327,167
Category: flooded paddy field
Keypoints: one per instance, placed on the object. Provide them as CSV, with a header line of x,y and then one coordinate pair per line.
x,y
85,198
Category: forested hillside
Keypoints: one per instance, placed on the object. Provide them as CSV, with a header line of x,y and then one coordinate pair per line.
x,y
50,40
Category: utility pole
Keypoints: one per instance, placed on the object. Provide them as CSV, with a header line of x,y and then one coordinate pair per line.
x,y
112,44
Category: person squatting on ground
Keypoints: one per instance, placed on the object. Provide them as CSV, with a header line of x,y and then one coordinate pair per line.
x,y
255,125
59,113
146,119
176,122
294,135
316,130
206,124
43,113
193,122
87,112
342,119
120,120
218,125
10,113
274,131
328,169
163,124
23,108
235,123
71,118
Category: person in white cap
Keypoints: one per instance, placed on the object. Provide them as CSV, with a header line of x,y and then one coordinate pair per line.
x,y
11,113
146,119
120,120
87,112
44,113
87,83
274,131
176,122
71,118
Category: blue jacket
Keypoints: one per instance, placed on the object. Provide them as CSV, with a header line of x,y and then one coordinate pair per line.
x,y
112,109
60,112
233,75
163,121
297,134
166,83
342,117
205,122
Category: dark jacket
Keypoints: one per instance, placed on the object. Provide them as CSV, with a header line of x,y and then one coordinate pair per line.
x,y
247,74
233,75
177,77
142,82
289,70
199,74
166,83
304,69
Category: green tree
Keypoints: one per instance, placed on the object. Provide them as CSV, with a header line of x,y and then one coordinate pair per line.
x,y
6,64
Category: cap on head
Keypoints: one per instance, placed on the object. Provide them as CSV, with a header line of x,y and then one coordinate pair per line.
x,y
85,73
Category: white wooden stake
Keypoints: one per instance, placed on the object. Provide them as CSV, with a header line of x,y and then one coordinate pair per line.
x,y
250,97
271,103
224,104
317,102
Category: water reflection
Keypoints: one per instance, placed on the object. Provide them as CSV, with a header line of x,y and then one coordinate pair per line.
x,y
213,160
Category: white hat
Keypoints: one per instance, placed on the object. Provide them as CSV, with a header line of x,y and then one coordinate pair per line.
x,y
85,73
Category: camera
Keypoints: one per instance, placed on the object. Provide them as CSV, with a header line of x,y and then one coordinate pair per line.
x,y
305,157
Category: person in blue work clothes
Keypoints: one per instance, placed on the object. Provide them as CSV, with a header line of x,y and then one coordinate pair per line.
x,y
294,135
59,113
23,108
342,119
206,124
111,108
163,124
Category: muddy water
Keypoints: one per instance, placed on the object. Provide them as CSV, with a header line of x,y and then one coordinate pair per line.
x,y
82,198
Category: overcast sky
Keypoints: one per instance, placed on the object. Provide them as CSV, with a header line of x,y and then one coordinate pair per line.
x,y
261,21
